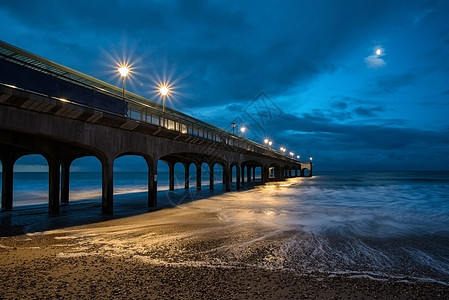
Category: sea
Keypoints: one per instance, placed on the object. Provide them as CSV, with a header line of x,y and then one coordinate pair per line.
x,y
376,225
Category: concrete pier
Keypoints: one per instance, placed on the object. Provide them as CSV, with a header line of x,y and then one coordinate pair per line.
x,y
35,120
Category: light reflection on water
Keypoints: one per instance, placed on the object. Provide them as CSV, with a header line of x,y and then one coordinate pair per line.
x,y
381,225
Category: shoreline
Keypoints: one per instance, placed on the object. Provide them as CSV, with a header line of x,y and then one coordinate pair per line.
x,y
25,219
35,267
191,251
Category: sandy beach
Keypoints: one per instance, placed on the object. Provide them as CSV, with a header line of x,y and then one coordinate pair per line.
x,y
40,274
184,252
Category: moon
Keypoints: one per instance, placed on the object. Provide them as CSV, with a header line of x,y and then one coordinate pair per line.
x,y
378,51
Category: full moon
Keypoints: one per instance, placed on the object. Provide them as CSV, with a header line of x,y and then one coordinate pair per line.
x,y
379,51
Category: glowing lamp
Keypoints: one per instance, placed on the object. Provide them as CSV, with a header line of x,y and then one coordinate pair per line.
x,y
123,71
163,90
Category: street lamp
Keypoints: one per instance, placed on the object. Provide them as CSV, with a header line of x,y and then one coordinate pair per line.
x,y
298,156
291,153
233,124
124,70
310,158
164,92
243,130
268,142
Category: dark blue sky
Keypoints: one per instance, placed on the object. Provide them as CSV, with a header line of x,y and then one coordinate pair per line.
x,y
305,74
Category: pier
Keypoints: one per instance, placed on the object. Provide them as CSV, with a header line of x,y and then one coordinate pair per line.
x,y
63,115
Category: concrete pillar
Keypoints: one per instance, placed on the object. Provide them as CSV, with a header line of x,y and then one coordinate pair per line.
x,y
227,175
254,174
54,175
107,199
65,180
231,175
7,183
171,169
263,174
211,176
198,176
310,171
237,175
152,183
248,173
280,173
186,176
242,171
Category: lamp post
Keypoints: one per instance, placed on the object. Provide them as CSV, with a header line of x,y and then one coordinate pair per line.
x,y
124,70
243,130
233,124
164,91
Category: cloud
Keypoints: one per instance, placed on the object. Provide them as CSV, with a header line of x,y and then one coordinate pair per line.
x,y
368,111
391,83
360,147
230,51
374,61
423,14
327,134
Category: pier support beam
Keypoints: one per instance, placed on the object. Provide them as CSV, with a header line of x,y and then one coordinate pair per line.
x,y
107,198
65,180
211,176
54,175
152,183
264,174
237,177
7,182
198,176
171,167
224,175
187,176
227,175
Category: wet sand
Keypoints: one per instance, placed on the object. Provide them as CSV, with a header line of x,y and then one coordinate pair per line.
x,y
177,253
